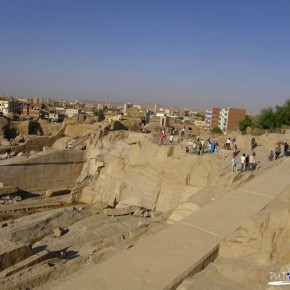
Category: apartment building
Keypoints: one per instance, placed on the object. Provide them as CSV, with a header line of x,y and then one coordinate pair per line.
x,y
28,109
227,119
235,115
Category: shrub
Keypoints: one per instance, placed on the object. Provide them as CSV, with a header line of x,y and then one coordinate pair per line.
x,y
217,130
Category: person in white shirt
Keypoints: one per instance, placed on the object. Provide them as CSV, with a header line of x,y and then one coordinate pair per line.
x,y
190,146
228,144
243,161
209,147
194,146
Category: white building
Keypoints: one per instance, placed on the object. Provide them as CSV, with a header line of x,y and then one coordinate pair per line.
x,y
223,119
4,104
72,112
208,115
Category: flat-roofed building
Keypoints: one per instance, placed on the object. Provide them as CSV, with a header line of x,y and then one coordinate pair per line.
x,y
199,123
28,109
227,119
127,108
215,115
4,107
70,112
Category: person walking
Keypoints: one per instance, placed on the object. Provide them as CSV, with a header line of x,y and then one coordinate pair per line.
x,y
286,147
243,161
251,162
194,146
247,162
234,140
209,147
217,146
212,147
171,139
183,131
199,149
190,146
277,151
162,136
271,156
234,164
234,151
253,143
202,146
228,144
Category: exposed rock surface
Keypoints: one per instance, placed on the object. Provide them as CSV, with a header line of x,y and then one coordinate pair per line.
x,y
49,169
133,185
56,191
249,256
135,171
13,252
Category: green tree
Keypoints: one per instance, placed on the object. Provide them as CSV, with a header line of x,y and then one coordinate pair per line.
x,y
217,130
279,116
274,118
100,115
244,124
267,118
287,112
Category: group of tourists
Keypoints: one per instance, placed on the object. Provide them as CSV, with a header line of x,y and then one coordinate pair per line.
x,y
231,144
213,146
278,151
247,162
163,133
198,146
195,146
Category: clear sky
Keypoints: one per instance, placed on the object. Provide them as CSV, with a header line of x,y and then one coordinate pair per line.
x,y
194,53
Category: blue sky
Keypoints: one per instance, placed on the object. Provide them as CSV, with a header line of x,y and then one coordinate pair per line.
x,y
190,53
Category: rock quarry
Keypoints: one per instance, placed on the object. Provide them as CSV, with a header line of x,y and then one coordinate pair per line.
x,y
90,205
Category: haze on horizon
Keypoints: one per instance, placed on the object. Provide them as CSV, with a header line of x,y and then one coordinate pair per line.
x,y
187,53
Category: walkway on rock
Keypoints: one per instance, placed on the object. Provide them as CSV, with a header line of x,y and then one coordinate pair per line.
x,y
165,259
